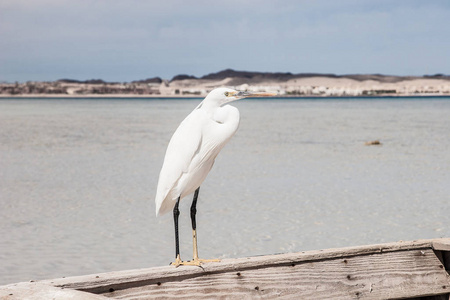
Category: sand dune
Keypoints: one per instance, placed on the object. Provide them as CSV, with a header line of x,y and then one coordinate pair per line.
x,y
285,84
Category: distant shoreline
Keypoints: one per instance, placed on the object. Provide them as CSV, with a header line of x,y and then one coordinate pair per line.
x,y
284,84
127,96
108,96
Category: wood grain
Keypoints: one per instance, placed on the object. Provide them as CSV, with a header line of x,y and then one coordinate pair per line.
x,y
99,283
384,271
375,276
35,290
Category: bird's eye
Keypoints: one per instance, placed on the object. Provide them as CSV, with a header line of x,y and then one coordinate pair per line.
x,y
226,94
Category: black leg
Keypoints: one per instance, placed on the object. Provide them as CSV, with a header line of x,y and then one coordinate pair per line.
x,y
176,214
196,261
194,225
194,209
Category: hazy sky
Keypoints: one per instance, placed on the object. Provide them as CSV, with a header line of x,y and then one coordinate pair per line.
x,y
129,40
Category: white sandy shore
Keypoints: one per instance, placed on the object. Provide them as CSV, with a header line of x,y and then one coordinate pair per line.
x,y
308,86
56,96
327,86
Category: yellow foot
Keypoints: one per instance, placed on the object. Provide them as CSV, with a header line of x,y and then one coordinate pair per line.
x,y
194,262
198,261
206,260
177,261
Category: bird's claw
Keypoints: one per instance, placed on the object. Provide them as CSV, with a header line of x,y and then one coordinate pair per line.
x,y
206,260
195,262
177,261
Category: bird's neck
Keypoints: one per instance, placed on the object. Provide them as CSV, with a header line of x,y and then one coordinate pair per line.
x,y
208,107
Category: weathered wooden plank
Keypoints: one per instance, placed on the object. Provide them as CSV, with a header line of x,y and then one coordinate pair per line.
x,y
393,270
390,275
441,244
100,283
33,290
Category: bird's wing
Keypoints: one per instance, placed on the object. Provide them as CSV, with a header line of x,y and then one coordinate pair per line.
x,y
183,146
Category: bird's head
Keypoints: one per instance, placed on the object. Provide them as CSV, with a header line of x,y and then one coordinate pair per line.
x,y
222,96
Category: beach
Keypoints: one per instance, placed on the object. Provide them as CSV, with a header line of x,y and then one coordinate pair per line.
x,y
284,84
78,179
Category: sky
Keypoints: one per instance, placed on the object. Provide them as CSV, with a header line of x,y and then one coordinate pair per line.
x,y
45,40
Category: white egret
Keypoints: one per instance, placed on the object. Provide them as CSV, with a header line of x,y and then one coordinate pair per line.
x,y
191,153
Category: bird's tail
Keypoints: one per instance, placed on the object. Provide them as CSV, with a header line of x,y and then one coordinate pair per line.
x,y
164,206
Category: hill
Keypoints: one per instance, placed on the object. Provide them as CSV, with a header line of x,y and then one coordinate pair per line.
x,y
285,84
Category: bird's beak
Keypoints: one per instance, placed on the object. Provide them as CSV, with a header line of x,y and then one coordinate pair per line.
x,y
249,94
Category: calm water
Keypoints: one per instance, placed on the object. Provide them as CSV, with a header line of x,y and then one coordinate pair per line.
x,y
78,179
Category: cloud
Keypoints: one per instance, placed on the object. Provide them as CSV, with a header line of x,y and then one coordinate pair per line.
x,y
127,40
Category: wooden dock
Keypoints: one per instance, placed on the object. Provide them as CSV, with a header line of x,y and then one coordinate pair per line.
x,y
403,270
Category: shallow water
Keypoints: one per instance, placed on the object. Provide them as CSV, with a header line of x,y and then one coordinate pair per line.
x,y
78,179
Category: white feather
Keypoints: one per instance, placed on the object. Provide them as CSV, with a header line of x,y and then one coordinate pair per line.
x,y
194,147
